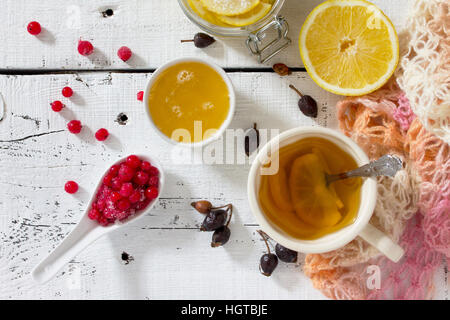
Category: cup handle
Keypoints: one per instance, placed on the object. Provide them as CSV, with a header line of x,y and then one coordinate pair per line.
x,y
382,242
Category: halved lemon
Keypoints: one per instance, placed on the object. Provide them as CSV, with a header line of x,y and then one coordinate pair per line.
x,y
250,17
349,47
230,7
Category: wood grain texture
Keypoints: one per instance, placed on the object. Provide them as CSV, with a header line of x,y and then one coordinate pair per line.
x,y
151,28
172,258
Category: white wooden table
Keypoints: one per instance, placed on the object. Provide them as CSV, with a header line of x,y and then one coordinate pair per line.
x,y
172,259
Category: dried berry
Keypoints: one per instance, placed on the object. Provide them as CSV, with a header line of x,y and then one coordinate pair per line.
x,y
251,140
214,220
140,95
281,69
202,206
222,235
285,254
268,261
306,104
201,40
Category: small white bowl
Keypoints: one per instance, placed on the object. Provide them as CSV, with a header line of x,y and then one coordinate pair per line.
x,y
331,241
225,78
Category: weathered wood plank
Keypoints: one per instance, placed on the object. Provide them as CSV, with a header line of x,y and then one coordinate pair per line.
x,y
172,258
152,29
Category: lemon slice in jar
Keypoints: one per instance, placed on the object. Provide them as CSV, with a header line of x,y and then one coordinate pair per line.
x,y
247,18
198,7
230,7
349,47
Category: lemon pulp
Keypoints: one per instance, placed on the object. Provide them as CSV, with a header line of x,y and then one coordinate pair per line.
x,y
231,13
349,47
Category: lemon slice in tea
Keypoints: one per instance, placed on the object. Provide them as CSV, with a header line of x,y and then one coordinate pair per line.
x,y
230,7
313,201
349,47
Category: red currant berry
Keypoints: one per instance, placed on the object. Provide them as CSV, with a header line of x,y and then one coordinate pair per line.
x,y
34,28
126,173
135,196
140,95
74,126
101,204
126,190
115,196
103,220
140,178
71,187
133,162
143,204
101,134
57,105
153,171
108,179
93,214
151,193
124,53
123,205
116,184
114,170
153,181
67,92
145,166
85,48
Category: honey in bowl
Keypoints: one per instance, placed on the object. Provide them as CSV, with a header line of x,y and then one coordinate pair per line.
x,y
190,98
297,198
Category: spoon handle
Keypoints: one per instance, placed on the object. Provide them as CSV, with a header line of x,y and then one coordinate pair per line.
x,y
84,233
387,165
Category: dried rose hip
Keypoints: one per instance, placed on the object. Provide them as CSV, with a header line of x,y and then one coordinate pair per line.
x,y
268,261
201,40
202,206
306,104
281,69
140,95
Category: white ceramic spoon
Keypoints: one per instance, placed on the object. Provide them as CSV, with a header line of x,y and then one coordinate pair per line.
x,y
86,232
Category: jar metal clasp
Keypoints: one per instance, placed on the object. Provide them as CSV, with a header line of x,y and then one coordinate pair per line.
x,y
269,50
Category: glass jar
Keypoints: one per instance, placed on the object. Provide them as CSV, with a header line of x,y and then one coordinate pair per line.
x,y
254,33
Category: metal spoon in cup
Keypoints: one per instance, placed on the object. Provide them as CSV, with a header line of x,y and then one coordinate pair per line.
x,y
387,165
86,232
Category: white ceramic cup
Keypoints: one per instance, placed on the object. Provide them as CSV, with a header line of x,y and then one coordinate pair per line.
x,y
360,227
231,93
